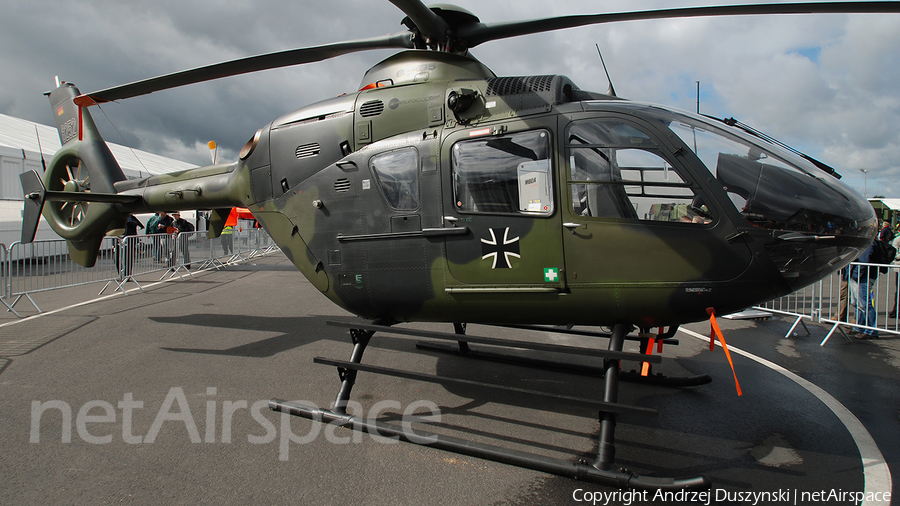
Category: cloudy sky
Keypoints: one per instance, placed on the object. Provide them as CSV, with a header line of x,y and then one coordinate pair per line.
x,y
828,85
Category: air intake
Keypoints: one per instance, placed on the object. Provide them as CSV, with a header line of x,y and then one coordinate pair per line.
x,y
372,108
520,85
307,150
533,93
342,185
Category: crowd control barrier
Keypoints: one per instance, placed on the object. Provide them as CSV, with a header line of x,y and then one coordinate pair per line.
x,y
836,301
802,305
26,269
45,265
4,272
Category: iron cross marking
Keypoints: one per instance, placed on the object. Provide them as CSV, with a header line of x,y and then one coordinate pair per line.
x,y
500,251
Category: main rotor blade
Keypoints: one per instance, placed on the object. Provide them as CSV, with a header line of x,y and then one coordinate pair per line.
x,y
400,40
430,24
475,34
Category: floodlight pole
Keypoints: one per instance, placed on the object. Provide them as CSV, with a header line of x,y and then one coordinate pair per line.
x,y
865,182
698,97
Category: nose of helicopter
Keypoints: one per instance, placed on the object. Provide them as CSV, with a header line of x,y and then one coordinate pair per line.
x,y
798,217
810,223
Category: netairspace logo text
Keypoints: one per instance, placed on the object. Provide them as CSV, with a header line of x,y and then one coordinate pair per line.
x,y
175,409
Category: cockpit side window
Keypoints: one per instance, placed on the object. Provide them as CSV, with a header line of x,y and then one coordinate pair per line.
x,y
509,174
768,192
616,170
397,174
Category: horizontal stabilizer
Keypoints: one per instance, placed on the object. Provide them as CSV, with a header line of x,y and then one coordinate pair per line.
x,y
106,198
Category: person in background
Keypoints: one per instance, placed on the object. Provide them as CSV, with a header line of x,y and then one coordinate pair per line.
x,y
895,276
844,292
165,245
227,238
151,224
181,226
865,277
132,226
154,241
886,234
162,225
129,245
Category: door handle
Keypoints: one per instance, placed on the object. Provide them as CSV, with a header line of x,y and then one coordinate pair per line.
x,y
572,226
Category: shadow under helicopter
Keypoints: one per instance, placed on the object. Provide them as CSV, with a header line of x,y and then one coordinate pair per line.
x,y
701,430
776,434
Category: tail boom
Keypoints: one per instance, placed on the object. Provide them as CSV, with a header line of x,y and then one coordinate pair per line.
x,y
84,194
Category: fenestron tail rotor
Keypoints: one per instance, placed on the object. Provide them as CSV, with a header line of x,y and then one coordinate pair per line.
x,y
74,212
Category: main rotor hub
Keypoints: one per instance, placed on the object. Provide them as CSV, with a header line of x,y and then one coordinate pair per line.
x,y
454,16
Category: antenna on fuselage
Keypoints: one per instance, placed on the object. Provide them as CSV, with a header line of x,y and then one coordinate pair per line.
x,y
611,91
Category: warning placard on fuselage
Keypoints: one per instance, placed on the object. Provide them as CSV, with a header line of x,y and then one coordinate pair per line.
x,y
534,187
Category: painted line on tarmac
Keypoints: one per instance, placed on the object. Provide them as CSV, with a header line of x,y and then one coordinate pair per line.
x,y
876,474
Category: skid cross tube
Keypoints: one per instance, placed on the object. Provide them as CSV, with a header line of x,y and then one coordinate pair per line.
x,y
464,350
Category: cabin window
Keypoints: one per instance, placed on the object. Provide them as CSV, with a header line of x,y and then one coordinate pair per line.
x,y
617,170
397,175
508,174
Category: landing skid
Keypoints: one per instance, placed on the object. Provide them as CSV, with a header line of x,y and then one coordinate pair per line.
x,y
463,349
602,470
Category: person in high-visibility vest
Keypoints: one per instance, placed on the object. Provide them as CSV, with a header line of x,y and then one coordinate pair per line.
x,y
228,240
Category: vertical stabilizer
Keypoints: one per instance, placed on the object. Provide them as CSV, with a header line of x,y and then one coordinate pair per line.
x,y
78,134
84,164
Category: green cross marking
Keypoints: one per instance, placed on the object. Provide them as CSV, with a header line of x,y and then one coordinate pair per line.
x,y
551,275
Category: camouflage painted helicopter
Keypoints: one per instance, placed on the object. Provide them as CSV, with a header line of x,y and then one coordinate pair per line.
x,y
441,192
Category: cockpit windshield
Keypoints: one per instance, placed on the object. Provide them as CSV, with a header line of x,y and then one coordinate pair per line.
x,y
771,187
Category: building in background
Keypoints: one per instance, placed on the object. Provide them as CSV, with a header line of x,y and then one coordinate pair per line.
x,y
22,144
887,210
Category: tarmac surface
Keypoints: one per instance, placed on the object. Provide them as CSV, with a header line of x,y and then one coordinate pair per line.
x,y
161,397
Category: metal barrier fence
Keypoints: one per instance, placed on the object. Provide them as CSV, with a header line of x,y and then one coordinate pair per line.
x,y
45,265
847,299
4,272
26,269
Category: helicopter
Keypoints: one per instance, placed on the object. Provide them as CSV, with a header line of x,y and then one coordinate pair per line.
x,y
441,192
